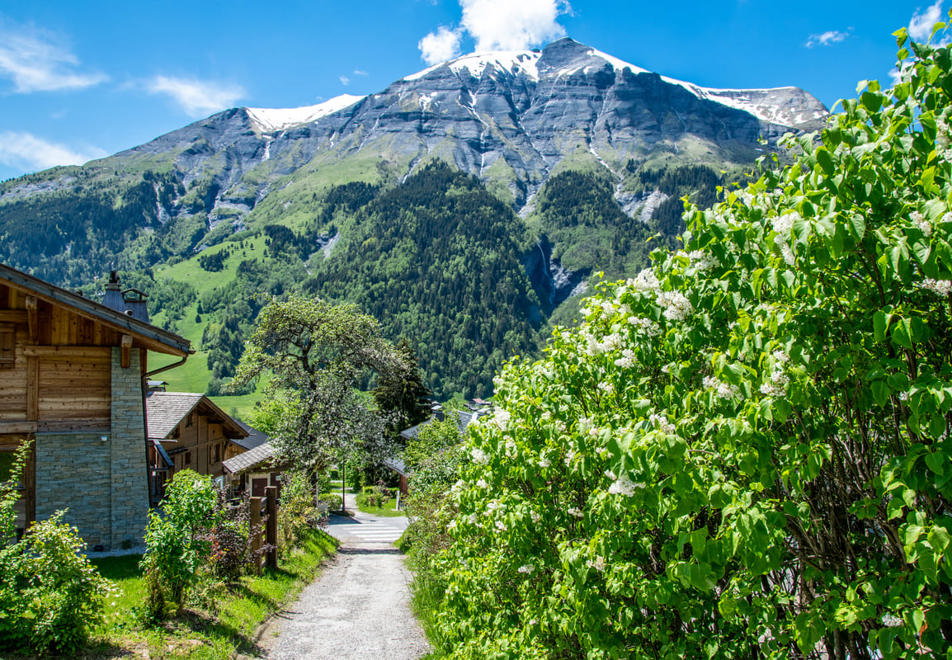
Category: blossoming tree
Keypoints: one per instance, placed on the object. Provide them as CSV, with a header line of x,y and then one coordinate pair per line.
x,y
744,451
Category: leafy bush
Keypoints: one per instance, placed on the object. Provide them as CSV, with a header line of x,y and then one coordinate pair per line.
x,y
374,497
231,546
332,501
297,512
178,539
50,594
744,451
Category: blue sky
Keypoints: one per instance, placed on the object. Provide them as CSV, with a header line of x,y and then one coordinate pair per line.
x,y
84,79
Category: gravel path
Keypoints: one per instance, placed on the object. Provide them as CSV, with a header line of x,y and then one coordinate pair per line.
x,y
360,605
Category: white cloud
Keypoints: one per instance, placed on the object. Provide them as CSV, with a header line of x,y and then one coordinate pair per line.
x,y
508,25
439,46
358,72
920,25
344,80
497,25
827,38
26,151
38,61
197,97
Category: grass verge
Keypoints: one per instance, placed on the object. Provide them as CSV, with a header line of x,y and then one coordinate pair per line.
x,y
219,621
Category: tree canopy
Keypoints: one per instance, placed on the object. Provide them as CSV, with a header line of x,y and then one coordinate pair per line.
x,y
319,354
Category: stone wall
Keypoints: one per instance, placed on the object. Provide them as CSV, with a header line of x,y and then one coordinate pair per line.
x,y
130,482
100,476
72,471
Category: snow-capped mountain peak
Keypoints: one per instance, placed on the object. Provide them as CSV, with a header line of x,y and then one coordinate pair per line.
x,y
274,120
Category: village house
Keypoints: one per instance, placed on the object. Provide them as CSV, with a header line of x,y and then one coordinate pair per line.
x,y
73,376
255,469
187,430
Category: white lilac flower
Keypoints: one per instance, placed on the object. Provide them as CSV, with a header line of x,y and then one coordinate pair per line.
x,y
776,384
662,424
647,326
584,424
500,418
606,387
501,526
451,525
721,389
570,456
544,463
787,253
939,287
526,568
784,223
676,306
745,197
765,637
510,448
627,359
891,621
598,563
610,474
479,456
471,519
535,516
601,451
646,281
921,223
701,260
947,217
493,505
575,512
482,484
546,416
624,486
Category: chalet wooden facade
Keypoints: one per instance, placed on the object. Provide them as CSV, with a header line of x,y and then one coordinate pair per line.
x,y
253,470
188,430
72,382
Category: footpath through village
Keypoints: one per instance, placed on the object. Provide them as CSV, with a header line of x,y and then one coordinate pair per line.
x,y
359,607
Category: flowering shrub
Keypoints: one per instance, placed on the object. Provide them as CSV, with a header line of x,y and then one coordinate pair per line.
x,y
297,513
178,539
744,451
50,594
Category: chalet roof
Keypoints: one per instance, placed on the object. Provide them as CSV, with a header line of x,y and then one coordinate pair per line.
x,y
151,337
165,410
254,439
251,458
463,419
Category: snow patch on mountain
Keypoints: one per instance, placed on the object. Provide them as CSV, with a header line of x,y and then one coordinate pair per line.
x,y
509,61
784,106
273,120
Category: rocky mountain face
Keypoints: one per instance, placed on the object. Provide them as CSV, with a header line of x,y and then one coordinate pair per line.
x,y
510,118
589,154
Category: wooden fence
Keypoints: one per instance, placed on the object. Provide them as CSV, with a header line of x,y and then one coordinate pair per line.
x,y
264,510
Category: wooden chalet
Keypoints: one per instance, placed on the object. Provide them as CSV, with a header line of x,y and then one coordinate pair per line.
x,y
72,381
188,430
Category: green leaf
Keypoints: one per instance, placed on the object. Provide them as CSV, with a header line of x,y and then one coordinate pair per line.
x,y
902,333
825,160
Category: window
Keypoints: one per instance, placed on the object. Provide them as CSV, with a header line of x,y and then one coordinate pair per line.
x,y
217,453
7,346
188,420
188,458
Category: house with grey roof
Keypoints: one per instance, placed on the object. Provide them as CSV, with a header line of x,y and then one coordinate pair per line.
x,y
256,468
187,430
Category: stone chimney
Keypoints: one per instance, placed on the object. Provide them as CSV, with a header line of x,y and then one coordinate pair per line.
x,y
113,297
133,302
136,304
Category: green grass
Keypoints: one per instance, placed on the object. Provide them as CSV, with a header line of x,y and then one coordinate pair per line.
x,y
220,620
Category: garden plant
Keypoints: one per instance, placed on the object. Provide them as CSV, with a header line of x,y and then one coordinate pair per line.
x,y
743,451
